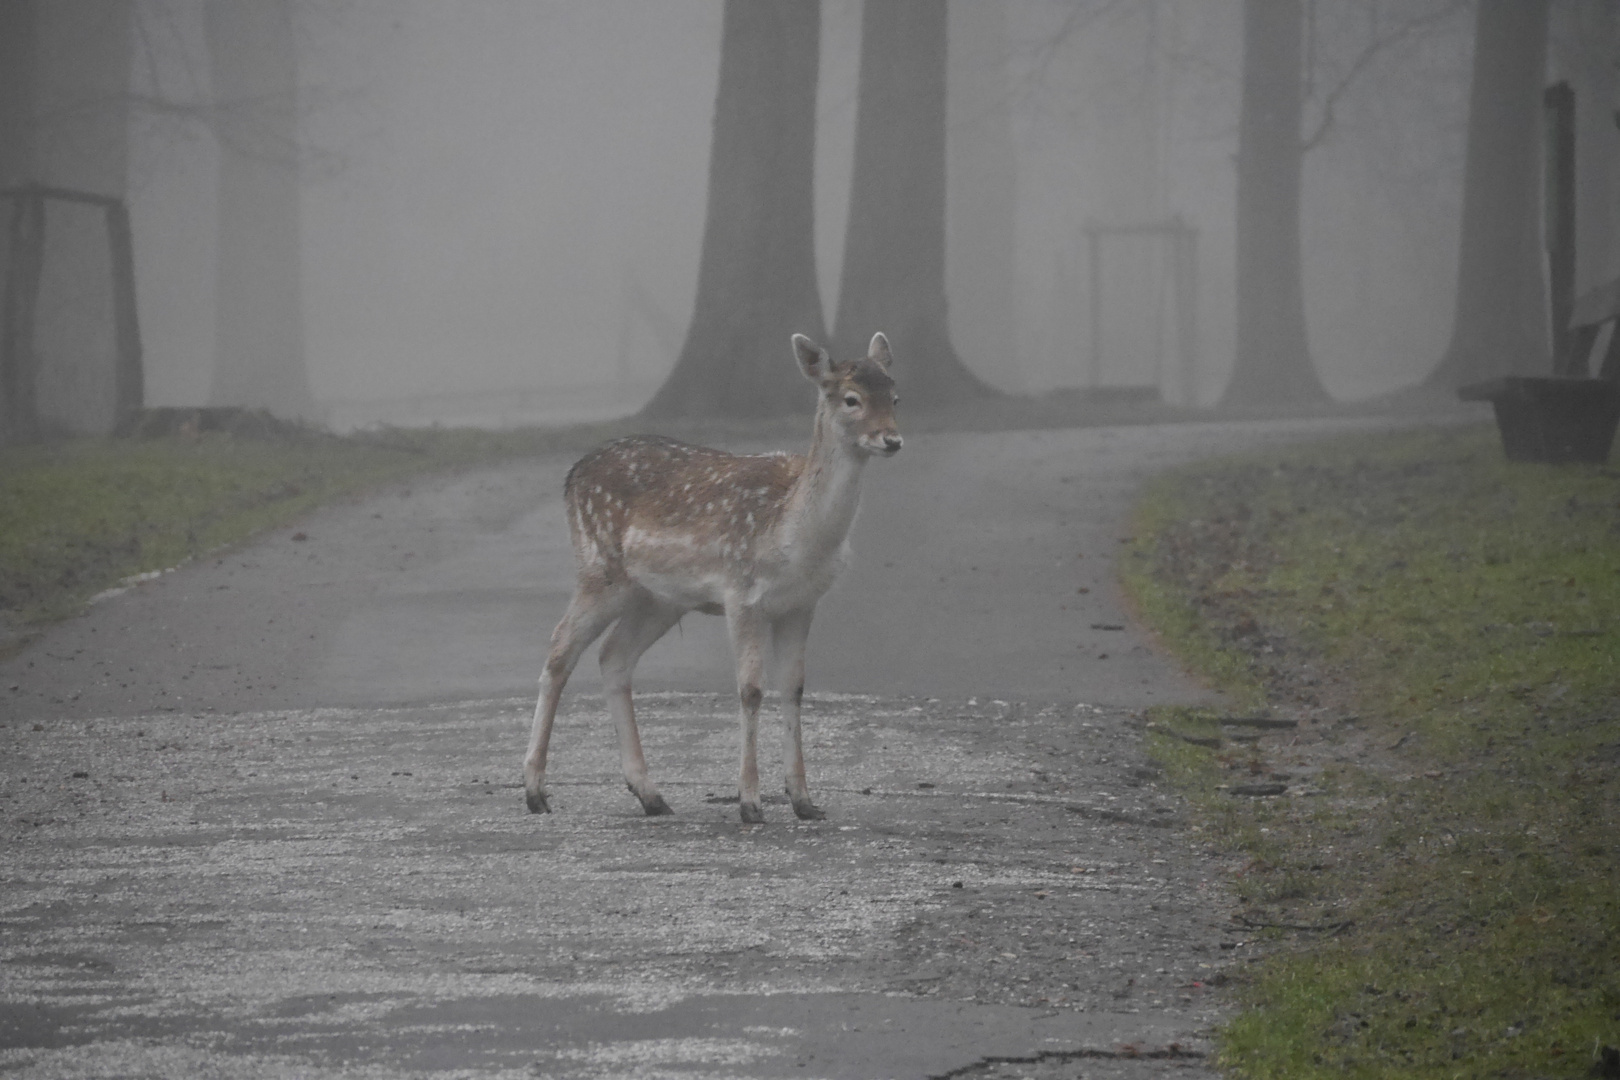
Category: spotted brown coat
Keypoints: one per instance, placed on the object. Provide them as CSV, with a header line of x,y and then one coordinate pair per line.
x,y
661,528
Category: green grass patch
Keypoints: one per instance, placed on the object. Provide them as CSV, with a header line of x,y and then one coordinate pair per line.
x,y
1447,626
80,516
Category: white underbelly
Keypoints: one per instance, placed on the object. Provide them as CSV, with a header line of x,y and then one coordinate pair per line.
x,y
776,589
681,590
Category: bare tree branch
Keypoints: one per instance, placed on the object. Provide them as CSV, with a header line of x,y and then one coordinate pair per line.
x,y
1079,16
1369,53
246,126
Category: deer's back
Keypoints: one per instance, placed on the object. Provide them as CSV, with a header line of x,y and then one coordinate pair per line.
x,y
652,505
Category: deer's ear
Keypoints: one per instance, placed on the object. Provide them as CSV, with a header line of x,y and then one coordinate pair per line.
x,y
813,359
878,351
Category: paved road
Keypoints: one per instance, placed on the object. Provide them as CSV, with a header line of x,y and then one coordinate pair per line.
x,y
262,816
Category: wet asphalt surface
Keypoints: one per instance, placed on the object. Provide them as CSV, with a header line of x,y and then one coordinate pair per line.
x,y
263,816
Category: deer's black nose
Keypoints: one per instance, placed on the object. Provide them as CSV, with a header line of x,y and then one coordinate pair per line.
x,y
891,443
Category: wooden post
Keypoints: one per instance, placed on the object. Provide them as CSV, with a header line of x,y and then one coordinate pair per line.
x,y
1186,280
1559,103
1094,284
129,375
1610,368
19,417
1577,365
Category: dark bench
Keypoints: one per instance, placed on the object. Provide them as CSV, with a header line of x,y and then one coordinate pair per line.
x,y
1566,416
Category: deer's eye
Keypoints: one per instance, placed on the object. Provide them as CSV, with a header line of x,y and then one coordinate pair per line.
x,y
852,400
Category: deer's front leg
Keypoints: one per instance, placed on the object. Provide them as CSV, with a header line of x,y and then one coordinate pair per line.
x,y
788,637
747,641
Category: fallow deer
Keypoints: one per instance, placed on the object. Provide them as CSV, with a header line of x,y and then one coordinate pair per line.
x,y
661,528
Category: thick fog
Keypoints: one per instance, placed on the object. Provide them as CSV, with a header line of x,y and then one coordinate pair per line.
x,y
501,202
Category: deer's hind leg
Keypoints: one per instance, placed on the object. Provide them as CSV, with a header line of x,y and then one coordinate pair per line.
x,y
644,621
788,636
593,607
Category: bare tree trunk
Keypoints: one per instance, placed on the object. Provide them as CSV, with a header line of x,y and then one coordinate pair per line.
x,y
259,325
1273,363
1500,324
894,252
757,278
981,244
17,40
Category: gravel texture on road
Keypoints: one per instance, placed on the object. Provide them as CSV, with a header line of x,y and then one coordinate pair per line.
x,y
338,891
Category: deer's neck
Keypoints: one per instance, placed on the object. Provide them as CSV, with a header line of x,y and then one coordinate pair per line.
x,y
823,504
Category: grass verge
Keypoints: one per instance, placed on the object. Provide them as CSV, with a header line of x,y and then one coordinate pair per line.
x,y
79,516
1442,878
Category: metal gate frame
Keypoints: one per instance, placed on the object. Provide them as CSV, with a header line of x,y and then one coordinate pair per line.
x,y
19,410
1183,244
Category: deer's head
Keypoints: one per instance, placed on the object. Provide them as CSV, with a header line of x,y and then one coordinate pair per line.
x,y
857,396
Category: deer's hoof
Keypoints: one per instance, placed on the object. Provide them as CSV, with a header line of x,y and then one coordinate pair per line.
x,y
537,802
751,813
656,806
809,811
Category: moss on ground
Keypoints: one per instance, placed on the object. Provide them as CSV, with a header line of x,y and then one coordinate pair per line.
x,y
1445,625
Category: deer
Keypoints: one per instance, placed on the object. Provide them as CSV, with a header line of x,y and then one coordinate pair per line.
x,y
661,528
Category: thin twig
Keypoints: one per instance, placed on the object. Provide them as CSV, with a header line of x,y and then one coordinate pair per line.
x,y
1364,60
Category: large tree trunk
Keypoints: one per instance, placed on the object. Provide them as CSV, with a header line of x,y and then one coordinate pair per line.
x,y
757,275
894,252
17,414
259,324
1273,363
1500,323
981,244
16,92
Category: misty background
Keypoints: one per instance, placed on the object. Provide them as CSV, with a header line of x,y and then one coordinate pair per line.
x,y
492,211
